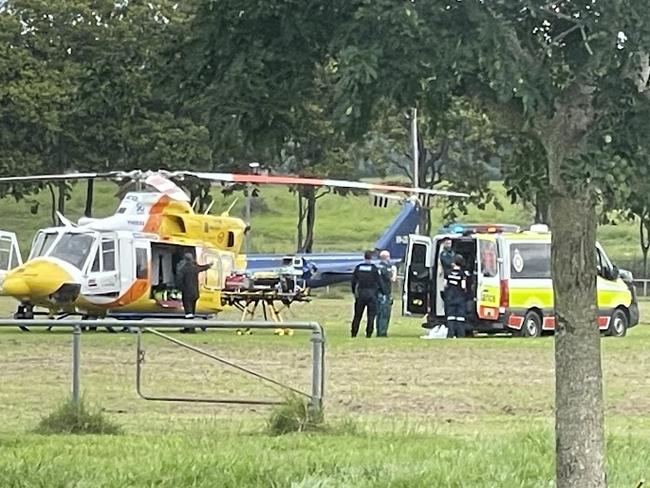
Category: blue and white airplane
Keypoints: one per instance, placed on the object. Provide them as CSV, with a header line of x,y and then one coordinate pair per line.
x,y
323,269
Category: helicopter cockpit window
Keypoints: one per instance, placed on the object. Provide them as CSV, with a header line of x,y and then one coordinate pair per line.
x,y
73,248
5,254
96,267
42,244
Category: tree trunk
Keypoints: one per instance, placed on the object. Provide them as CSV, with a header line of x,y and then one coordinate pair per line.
x,y
541,209
61,203
301,218
53,206
88,211
644,237
310,221
579,423
579,429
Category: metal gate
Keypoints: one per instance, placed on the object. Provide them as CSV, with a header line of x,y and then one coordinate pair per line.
x,y
317,340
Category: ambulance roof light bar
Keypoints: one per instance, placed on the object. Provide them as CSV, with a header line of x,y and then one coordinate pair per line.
x,y
479,228
539,228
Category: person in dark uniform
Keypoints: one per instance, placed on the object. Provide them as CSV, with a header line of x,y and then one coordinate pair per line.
x,y
456,299
366,285
188,279
447,256
446,262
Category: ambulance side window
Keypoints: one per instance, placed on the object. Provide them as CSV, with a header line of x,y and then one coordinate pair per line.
x,y
530,260
419,254
488,259
603,268
599,263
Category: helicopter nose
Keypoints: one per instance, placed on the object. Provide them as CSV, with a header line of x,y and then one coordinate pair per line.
x,y
35,280
15,287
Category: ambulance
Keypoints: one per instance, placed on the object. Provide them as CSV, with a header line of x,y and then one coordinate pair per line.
x,y
510,288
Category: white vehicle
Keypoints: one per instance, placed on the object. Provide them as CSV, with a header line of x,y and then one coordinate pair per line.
x,y
510,288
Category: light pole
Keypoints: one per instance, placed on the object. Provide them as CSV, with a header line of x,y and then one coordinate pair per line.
x,y
254,169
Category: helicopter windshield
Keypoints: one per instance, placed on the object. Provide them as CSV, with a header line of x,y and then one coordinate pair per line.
x,y
42,244
73,248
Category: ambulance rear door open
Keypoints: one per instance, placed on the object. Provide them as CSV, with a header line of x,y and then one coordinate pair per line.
x,y
417,276
488,286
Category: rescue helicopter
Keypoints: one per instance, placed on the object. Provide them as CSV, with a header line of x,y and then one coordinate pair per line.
x,y
125,264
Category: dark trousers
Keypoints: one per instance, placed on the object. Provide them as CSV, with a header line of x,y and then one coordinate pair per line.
x,y
189,304
456,311
384,305
367,301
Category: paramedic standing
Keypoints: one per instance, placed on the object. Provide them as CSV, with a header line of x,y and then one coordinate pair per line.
x,y
387,274
447,256
446,260
456,299
188,278
366,285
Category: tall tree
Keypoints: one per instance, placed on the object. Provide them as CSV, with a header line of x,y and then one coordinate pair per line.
x,y
525,173
457,150
80,84
570,72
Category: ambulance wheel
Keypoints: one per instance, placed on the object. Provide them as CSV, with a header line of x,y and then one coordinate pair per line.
x,y
532,326
617,324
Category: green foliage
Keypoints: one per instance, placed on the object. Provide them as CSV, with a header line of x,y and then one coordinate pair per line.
x,y
82,85
295,415
70,418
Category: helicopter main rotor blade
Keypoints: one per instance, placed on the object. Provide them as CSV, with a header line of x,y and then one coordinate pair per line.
x,y
296,180
166,186
57,177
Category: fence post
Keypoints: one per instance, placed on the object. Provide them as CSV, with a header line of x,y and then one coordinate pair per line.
x,y
76,359
318,367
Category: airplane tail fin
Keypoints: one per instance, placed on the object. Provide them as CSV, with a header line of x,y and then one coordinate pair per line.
x,y
395,237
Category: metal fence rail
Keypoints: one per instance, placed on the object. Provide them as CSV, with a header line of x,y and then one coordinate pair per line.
x,y
641,286
150,325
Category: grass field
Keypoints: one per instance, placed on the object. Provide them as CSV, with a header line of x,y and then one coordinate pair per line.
x,y
404,412
343,223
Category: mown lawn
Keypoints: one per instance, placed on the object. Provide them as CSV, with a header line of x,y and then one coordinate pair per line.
x,y
402,411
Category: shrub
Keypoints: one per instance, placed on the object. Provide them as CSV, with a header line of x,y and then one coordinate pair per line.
x,y
69,418
295,415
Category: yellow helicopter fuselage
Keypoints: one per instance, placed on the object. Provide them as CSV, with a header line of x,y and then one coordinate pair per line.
x,y
127,262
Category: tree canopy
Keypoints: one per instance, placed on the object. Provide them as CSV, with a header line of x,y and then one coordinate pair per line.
x,y
569,76
79,90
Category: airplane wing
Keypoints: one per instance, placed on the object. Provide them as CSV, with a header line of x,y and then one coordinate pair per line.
x,y
296,180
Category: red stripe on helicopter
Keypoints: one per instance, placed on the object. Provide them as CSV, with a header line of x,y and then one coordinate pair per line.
x,y
156,214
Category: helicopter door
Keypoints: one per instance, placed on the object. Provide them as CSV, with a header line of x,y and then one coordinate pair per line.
x,y
10,257
103,278
213,279
417,278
